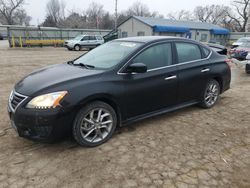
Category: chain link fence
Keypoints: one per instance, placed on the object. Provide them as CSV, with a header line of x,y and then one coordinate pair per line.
x,y
19,36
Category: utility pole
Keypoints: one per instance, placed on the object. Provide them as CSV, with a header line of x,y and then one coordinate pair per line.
x,y
116,15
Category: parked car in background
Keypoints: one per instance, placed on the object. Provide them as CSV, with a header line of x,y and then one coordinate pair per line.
x,y
247,68
1,37
240,41
111,36
118,83
84,41
240,52
218,48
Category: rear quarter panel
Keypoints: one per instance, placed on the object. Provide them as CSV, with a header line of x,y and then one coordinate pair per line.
x,y
221,71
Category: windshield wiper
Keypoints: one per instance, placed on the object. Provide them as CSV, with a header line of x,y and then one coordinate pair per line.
x,y
86,65
70,62
81,64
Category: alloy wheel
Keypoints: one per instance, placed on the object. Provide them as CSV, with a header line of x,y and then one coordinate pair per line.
x,y
77,48
96,125
211,94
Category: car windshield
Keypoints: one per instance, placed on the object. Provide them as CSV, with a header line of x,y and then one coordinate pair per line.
x,y
108,55
79,37
246,44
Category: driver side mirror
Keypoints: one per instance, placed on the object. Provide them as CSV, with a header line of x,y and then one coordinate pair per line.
x,y
137,68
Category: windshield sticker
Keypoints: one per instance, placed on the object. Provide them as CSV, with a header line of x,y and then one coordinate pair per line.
x,y
128,44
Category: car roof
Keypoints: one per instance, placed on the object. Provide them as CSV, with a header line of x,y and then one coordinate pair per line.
x,y
147,39
244,38
89,35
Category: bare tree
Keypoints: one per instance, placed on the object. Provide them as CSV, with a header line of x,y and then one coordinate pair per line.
x,y
140,9
94,14
203,13
75,20
21,17
156,14
8,9
55,10
241,15
214,14
181,15
107,21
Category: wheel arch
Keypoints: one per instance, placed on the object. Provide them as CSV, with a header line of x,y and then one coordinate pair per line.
x,y
219,80
76,45
106,98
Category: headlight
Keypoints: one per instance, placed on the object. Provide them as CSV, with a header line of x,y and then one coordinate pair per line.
x,y
50,100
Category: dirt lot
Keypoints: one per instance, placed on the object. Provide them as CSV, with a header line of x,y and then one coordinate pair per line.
x,y
187,148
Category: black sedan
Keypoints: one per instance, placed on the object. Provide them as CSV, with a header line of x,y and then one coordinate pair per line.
x,y
118,83
218,48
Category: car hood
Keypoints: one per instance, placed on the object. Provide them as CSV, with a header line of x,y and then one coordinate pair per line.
x,y
237,43
51,76
70,41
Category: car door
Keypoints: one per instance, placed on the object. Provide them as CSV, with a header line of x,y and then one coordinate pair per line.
x,y
100,40
193,70
92,41
155,89
84,41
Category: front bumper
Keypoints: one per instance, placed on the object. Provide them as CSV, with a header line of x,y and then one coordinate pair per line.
x,y
41,125
69,46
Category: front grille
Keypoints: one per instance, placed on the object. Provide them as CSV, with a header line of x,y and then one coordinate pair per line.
x,y
15,100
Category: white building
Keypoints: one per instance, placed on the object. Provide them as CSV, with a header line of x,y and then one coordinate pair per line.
x,y
146,26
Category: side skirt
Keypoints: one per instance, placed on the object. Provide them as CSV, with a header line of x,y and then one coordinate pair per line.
x,y
158,112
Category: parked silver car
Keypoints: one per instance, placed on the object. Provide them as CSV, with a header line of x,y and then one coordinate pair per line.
x,y
247,64
241,41
84,41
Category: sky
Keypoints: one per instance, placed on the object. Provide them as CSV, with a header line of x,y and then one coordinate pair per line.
x,y
36,8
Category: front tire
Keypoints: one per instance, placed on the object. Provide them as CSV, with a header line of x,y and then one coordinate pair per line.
x,y
94,124
210,94
77,47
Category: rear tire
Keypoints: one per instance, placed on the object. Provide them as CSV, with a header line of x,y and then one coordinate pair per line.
x,y
94,124
210,94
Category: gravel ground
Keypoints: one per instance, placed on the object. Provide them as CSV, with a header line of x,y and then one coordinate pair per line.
x,y
187,148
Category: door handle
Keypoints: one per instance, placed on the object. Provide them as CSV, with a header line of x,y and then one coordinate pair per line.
x,y
205,70
171,77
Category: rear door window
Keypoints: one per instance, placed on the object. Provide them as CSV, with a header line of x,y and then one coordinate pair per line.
x,y
92,38
99,37
187,52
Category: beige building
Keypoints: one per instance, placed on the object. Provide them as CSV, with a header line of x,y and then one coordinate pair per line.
x,y
146,26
